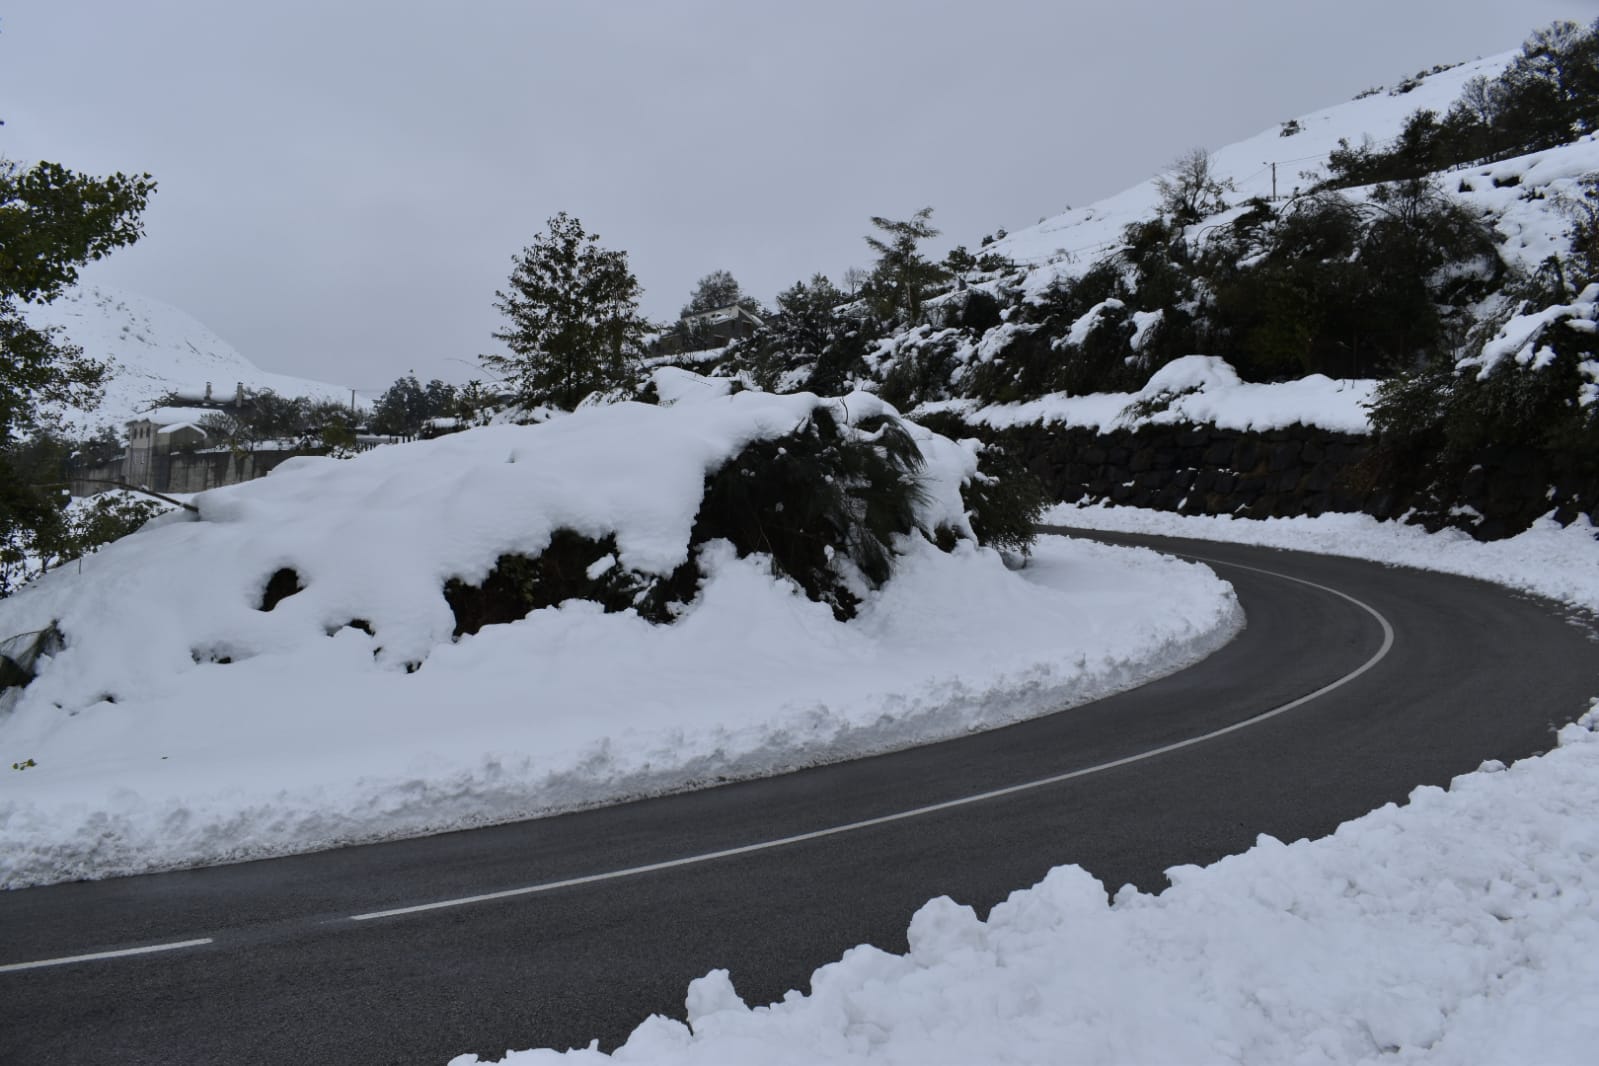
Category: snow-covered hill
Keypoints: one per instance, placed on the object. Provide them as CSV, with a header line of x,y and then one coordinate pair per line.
x,y
155,350
1522,195
1070,242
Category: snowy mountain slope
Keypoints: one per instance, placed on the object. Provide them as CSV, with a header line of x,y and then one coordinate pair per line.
x,y
156,349
1069,242
1524,198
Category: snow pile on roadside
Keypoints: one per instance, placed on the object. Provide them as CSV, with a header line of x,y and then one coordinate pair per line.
x,y
182,725
1560,562
1404,937
1199,389
1459,928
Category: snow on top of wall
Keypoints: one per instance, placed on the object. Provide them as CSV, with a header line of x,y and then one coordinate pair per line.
x,y
156,350
1199,389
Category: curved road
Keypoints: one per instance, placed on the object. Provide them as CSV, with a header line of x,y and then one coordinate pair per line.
x,y
301,960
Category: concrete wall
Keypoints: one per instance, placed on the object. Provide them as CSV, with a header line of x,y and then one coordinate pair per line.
x,y
180,471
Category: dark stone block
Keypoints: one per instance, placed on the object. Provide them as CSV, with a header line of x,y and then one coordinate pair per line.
x,y
1168,499
1320,478
1285,455
1152,479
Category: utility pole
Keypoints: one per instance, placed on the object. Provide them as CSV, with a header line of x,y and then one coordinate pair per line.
x,y
1273,181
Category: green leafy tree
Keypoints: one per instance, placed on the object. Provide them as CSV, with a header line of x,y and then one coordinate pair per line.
x,y
52,222
903,277
573,323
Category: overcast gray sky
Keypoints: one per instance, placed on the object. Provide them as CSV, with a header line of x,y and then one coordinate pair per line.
x,y
343,185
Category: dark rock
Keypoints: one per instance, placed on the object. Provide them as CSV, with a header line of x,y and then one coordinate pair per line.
x,y
283,583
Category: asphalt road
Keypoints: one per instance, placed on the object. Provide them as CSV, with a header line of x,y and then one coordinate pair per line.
x,y
289,975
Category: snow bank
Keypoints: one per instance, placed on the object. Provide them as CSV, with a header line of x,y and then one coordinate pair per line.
x,y
1559,562
1199,389
1400,938
1459,928
181,725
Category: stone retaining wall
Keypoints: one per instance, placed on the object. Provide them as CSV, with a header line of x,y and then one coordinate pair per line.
x,y
1302,470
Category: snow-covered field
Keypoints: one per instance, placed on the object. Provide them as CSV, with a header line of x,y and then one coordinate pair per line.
x,y
181,725
1458,928
156,349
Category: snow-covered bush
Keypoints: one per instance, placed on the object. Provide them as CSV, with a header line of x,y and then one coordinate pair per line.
x,y
417,545
1003,499
1529,393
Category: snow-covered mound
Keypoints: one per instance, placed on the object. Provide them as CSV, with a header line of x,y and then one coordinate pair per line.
x,y
156,350
1457,928
1200,389
180,723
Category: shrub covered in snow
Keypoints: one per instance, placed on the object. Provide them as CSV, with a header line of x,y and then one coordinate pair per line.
x,y
611,505
1531,390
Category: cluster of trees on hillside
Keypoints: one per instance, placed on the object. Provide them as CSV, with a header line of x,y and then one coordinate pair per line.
x,y
1547,96
573,326
295,421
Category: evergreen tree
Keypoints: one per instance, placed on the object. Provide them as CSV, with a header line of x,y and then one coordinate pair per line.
x,y
52,221
808,343
903,277
959,262
401,409
406,406
574,326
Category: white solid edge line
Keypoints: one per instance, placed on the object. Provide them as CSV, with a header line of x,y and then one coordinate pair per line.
x,y
933,808
121,953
